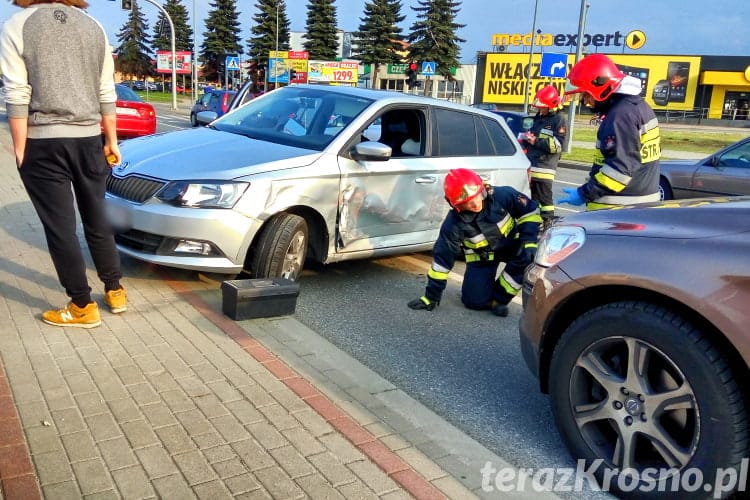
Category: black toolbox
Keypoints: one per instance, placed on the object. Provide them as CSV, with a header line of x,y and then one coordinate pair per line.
x,y
258,298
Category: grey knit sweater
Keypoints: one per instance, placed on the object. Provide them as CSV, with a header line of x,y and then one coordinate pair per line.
x,y
58,71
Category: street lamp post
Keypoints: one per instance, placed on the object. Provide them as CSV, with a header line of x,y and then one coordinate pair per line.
x,y
276,54
194,68
531,56
174,54
579,52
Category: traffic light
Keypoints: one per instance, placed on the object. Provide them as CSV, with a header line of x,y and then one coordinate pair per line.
x,y
127,4
411,76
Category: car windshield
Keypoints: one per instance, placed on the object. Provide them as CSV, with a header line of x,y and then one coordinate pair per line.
x,y
125,94
294,116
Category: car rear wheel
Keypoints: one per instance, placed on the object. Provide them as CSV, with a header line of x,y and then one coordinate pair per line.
x,y
281,248
641,389
193,120
665,190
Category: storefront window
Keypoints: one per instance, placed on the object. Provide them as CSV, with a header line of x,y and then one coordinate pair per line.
x,y
450,90
397,84
736,106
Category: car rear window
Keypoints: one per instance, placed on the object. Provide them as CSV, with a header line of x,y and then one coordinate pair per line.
x,y
125,94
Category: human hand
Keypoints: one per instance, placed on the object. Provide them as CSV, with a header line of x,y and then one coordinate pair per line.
x,y
113,155
423,304
573,197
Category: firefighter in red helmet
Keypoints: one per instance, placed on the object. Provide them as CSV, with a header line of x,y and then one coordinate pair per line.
x,y
625,170
489,225
544,144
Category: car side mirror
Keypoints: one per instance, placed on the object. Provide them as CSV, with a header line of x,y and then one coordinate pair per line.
x,y
205,117
371,151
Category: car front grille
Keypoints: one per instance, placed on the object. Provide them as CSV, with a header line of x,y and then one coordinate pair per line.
x,y
133,188
140,241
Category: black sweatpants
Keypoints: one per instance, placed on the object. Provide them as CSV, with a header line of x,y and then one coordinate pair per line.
x,y
50,167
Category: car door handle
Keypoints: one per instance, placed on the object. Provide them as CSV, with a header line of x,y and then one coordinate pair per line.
x,y
426,179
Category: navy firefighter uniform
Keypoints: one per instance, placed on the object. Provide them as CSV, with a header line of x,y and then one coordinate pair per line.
x,y
502,228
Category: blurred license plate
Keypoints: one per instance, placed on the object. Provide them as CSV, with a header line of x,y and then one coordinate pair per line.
x,y
118,215
127,111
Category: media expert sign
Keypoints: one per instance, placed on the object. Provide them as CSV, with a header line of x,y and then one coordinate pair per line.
x,y
164,60
335,72
633,40
668,82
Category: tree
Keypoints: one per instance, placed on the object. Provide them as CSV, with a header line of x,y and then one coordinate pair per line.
x,y
133,53
379,38
433,35
322,38
222,37
264,38
183,33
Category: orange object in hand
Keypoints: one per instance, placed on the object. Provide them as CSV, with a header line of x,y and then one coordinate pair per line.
x,y
112,159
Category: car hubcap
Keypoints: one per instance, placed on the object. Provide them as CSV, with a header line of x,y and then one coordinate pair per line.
x,y
294,258
633,406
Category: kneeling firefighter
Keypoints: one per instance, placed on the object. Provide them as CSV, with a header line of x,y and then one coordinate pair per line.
x,y
489,225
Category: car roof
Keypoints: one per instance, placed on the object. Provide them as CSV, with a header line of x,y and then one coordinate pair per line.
x,y
392,96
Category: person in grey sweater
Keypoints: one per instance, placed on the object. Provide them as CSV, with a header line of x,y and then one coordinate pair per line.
x,y
58,74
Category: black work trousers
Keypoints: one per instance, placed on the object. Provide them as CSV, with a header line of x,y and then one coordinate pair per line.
x,y
50,168
541,192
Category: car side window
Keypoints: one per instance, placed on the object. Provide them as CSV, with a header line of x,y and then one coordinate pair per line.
x,y
504,145
485,146
738,157
455,133
403,130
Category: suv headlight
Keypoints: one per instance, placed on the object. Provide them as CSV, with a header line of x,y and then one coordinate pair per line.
x,y
558,243
203,194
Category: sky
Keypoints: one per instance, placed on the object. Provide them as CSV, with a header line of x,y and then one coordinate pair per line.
x,y
684,27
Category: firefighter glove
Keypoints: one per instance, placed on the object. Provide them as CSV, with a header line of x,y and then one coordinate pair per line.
x,y
423,303
573,197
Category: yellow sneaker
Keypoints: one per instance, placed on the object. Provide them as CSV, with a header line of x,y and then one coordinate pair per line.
x,y
72,315
117,300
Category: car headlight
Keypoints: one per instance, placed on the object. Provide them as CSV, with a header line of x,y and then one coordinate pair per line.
x,y
203,194
558,243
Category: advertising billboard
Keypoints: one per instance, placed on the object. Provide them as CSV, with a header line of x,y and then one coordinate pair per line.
x,y
667,82
333,72
164,62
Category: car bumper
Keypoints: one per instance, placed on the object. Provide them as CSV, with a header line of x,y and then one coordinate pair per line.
x,y
543,293
155,231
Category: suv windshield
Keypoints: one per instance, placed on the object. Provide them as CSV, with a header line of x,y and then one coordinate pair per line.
x,y
300,117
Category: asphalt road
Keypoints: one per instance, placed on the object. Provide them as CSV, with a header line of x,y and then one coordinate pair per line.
x,y
464,365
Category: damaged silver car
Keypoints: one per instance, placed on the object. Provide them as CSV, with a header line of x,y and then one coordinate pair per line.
x,y
303,172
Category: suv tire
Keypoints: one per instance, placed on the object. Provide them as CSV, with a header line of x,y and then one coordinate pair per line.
x,y
602,399
281,248
193,120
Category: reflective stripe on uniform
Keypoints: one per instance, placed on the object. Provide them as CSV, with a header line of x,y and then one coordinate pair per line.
x,y
546,208
612,179
473,257
509,284
620,201
530,217
530,244
438,272
478,241
506,225
542,173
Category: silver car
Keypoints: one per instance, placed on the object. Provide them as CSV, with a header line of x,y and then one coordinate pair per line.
x,y
326,173
726,172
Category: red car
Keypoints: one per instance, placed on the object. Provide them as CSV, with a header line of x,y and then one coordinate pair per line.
x,y
134,116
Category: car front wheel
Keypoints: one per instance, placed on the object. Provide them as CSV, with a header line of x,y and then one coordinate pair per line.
x,y
665,190
281,248
649,396
193,120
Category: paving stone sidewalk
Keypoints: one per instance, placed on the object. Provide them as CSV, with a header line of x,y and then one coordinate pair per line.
x,y
166,400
